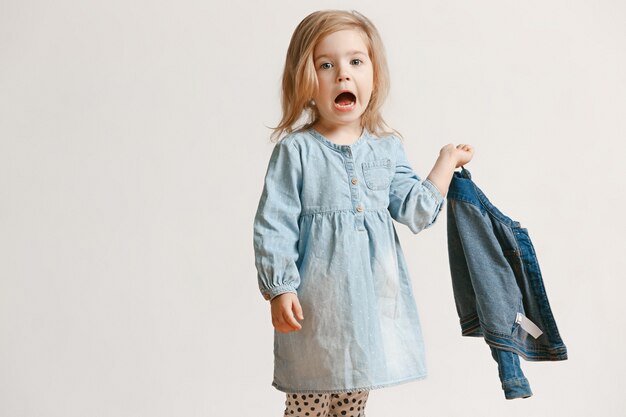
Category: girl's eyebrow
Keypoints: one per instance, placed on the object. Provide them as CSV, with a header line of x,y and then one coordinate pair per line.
x,y
355,52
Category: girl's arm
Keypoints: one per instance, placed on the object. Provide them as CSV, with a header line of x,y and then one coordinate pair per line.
x,y
276,230
276,236
413,202
449,159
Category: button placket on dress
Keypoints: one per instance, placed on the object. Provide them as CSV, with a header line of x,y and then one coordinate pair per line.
x,y
359,215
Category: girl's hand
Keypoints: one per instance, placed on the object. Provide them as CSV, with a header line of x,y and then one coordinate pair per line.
x,y
449,159
462,154
283,306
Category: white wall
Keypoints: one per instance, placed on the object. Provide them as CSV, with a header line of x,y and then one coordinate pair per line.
x,y
132,152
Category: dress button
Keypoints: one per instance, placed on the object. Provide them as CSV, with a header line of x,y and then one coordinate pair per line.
x,y
359,209
354,181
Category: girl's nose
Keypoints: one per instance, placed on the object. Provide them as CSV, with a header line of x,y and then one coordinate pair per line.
x,y
343,75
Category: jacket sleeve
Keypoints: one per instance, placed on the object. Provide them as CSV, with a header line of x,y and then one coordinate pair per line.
x,y
413,202
276,229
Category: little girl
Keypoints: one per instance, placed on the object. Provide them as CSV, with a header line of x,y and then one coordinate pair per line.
x,y
325,244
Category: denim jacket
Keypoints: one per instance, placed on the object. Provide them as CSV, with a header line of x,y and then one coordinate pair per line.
x,y
324,230
497,284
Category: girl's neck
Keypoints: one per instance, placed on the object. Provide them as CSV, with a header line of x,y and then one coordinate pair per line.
x,y
341,135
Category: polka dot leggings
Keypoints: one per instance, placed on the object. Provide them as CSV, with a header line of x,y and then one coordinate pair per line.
x,y
343,404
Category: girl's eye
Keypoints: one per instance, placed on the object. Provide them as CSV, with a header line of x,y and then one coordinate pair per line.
x,y
323,66
357,60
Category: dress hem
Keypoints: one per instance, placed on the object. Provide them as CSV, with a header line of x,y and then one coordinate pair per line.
x,y
335,391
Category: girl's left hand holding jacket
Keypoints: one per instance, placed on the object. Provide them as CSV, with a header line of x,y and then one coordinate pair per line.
x,y
450,158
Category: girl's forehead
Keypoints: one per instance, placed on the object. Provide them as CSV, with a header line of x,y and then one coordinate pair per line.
x,y
348,39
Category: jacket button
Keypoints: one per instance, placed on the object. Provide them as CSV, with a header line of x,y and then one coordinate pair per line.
x,y
354,181
359,209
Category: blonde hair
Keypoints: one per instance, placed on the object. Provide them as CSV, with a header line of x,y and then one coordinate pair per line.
x,y
300,82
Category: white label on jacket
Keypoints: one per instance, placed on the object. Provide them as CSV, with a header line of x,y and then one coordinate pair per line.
x,y
528,325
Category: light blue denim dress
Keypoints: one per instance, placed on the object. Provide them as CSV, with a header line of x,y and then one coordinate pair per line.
x,y
323,230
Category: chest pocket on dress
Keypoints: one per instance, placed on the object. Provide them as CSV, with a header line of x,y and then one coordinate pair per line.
x,y
377,173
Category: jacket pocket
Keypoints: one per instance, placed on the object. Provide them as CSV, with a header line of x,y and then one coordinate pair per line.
x,y
377,173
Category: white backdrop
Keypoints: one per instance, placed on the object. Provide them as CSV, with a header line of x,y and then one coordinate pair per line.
x,y
133,145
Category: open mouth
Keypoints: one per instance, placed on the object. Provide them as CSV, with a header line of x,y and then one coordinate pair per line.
x,y
345,100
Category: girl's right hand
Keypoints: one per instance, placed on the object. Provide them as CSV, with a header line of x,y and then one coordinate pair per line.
x,y
283,307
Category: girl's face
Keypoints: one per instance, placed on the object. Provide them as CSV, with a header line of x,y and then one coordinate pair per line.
x,y
345,77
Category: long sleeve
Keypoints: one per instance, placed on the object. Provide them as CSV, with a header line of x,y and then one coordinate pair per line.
x,y
413,202
276,229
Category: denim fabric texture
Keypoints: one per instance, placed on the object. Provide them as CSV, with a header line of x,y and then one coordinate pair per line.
x,y
324,230
498,287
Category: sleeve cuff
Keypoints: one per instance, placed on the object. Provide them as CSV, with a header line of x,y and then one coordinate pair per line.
x,y
270,293
434,191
